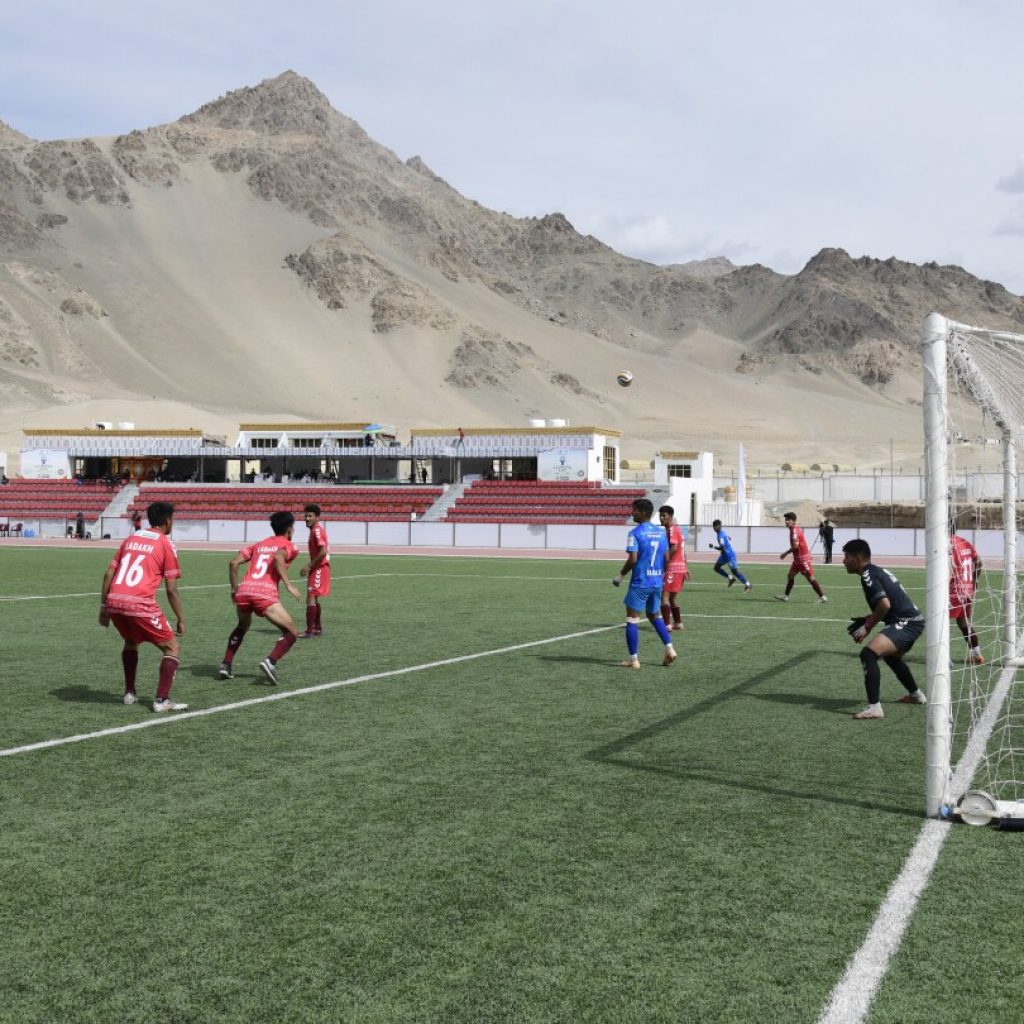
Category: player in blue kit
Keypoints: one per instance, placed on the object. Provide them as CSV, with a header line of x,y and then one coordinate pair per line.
x,y
646,554
727,557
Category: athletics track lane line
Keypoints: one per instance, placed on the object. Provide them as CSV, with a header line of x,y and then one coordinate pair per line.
x,y
168,718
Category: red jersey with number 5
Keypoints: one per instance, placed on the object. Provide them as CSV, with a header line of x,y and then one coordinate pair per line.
x,y
142,562
262,578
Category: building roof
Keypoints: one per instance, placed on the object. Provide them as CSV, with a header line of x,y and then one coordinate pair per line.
x,y
527,431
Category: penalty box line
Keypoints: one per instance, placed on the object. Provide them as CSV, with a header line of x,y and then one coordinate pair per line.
x,y
170,717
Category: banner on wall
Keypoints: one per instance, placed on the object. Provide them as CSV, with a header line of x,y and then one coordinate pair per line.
x,y
565,465
45,464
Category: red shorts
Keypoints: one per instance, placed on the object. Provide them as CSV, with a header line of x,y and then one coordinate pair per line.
x,y
961,605
802,568
318,582
149,629
257,605
674,581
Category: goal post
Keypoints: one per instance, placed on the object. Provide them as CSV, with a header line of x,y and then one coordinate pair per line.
x,y
973,385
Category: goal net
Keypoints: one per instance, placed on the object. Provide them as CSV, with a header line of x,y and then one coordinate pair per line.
x,y
974,428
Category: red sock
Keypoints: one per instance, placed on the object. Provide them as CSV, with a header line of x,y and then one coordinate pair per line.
x,y
666,613
310,617
130,661
234,642
168,666
282,647
677,615
317,606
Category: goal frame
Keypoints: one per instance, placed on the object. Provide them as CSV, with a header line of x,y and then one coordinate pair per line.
x,y
939,355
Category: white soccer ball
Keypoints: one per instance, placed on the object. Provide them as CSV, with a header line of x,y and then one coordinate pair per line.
x,y
624,377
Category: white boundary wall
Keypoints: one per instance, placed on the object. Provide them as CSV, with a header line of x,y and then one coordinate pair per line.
x,y
900,488
746,540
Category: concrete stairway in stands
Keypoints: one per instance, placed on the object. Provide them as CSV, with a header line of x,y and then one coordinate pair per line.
x,y
439,509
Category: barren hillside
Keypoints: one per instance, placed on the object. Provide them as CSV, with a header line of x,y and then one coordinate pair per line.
x,y
263,257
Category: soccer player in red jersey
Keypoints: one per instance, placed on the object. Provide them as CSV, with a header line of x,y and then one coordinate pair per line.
x,y
128,600
317,573
964,567
257,593
802,564
676,572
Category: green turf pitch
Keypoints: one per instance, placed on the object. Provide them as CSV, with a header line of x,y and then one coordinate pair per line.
x,y
538,835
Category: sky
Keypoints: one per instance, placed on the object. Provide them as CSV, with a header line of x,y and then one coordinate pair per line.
x,y
673,130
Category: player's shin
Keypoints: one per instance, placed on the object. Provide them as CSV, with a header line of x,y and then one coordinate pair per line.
x,y
130,663
168,668
633,636
902,672
283,646
234,642
872,674
662,631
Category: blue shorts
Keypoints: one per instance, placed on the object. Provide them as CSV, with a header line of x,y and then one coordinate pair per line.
x,y
727,560
643,599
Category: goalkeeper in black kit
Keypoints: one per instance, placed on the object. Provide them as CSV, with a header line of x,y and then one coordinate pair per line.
x,y
903,621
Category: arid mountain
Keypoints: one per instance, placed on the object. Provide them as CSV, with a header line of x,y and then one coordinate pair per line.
x,y
264,257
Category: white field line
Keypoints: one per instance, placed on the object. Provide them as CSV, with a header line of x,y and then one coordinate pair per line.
x,y
170,717
851,999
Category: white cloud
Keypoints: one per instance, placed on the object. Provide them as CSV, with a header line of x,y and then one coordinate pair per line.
x,y
654,238
1013,182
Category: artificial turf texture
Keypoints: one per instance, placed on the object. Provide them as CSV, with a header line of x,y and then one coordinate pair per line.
x,y
537,835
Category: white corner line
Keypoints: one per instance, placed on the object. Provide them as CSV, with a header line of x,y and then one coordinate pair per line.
x,y
170,717
852,996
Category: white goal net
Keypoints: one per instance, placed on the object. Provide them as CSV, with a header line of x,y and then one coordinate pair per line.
x,y
974,428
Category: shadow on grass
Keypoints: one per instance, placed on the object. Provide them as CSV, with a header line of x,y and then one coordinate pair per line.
x,y
85,695
833,705
611,753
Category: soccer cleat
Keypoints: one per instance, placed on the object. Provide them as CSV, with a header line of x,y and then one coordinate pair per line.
x,y
823,599
868,713
129,697
781,597
917,697
306,634
670,656
168,705
631,663
268,668
747,587
732,580
318,632
225,671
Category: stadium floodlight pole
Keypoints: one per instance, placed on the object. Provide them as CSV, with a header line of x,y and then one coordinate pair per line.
x,y
936,444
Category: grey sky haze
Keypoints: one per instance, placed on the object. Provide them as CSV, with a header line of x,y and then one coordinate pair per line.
x,y
671,130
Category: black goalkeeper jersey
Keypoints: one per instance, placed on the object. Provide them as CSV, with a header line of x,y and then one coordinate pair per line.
x,y
878,583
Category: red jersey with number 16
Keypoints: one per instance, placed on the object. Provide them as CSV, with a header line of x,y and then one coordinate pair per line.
x,y
142,562
262,578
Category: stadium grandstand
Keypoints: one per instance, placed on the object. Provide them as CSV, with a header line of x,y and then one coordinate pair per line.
x,y
547,473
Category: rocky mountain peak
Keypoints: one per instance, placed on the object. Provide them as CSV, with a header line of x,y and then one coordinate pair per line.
x,y
287,104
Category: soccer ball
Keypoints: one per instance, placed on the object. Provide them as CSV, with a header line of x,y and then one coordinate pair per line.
x,y
624,377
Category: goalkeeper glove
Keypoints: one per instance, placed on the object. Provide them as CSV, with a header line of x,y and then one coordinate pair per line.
x,y
858,628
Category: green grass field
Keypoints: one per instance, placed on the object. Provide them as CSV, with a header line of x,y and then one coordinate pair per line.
x,y
535,835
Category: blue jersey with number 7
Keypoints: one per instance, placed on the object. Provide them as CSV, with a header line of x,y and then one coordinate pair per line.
x,y
650,542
